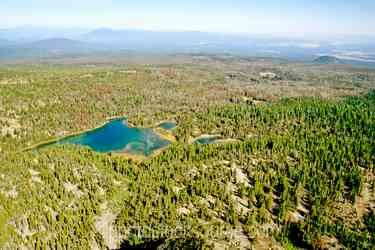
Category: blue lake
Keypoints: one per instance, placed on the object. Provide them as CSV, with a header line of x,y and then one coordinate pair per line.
x,y
116,136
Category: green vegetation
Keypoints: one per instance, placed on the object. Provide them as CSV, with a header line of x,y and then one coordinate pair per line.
x,y
300,173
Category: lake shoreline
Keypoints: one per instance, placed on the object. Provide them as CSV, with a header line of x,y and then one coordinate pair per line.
x,y
50,141
162,133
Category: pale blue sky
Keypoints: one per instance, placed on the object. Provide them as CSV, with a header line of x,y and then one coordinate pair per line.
x,y
240,16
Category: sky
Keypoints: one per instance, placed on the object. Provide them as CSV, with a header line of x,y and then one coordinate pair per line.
x,y
291,17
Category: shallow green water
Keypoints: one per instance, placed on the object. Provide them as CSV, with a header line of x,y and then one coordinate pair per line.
x,y
167,125
117,136
207,140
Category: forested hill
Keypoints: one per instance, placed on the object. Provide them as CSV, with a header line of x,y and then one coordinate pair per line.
x,y
289,173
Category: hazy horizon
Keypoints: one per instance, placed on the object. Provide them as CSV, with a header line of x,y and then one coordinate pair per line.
x,y
290,18
84,29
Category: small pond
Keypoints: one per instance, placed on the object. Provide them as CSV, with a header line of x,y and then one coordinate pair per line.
x,y
167,125
207,140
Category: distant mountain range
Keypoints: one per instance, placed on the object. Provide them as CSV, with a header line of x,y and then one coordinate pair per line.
x,y
118,37
21,43
52,47
58,44
5,43
31,34
327,60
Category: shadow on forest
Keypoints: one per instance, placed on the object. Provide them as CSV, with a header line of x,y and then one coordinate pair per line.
x,y
148,244
189,243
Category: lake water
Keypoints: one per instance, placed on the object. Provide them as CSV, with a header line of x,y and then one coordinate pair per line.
x,y
167,125
116,136
207,140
